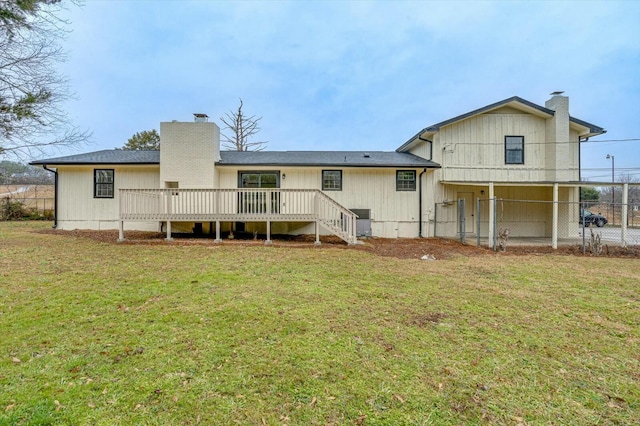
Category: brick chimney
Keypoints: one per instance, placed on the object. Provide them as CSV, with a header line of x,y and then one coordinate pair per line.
x,y
188,152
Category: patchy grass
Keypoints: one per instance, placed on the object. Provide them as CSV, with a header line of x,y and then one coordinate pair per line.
x,y
102,333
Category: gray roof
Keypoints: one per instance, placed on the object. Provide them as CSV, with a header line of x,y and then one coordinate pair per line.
x,y
256,158
109,156
324,159
593,129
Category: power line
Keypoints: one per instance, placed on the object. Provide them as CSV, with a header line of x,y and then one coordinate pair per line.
x,y
501,143
621,169
612,140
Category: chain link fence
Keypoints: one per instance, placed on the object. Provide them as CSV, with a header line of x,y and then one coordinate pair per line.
x,y
27,202
529,222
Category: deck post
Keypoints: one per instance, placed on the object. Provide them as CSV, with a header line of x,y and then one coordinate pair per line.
x,y
169,231
268,241
121,231
354,230
317,242
218,239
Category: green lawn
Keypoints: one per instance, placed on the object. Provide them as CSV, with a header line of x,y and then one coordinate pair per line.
x,y
106,333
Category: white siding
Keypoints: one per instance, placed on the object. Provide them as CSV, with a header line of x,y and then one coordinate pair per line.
x,y
474,149
423,150
393,213
78,209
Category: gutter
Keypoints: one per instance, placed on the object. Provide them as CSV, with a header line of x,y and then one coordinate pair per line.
x,y
430,146
420,203
55,195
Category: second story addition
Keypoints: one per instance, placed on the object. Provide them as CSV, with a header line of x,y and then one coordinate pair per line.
x,y
513,140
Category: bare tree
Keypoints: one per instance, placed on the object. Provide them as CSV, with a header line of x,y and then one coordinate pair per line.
x,y
31,89
241,129
634,188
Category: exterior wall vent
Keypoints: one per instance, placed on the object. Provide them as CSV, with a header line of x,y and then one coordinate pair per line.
x,y
366,155
200,118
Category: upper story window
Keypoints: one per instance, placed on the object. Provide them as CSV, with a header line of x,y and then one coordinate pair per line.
x,y
514,149
103,183
332,180
405,180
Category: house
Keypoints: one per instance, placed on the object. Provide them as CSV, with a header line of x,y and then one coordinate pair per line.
x,y
511,149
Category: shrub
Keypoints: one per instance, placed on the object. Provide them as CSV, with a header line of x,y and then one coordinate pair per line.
x,y
13,210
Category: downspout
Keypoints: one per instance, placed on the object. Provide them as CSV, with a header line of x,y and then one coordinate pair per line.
x,y
580,140
420,203
420,184
580,206
55,195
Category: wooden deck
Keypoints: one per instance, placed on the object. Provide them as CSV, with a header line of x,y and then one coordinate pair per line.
x,y
238,205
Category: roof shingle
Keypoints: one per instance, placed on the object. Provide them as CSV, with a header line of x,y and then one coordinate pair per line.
x,y
256,158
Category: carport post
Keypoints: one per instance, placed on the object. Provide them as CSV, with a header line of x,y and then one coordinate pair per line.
x,y
492,217
554,220
495,225
625,218
478,224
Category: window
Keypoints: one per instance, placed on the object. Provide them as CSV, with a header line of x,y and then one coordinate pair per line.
x,y
405,180
332,180
259,179
514,149
103,183
253,201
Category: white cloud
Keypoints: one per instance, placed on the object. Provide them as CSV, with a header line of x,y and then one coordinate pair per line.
x,y
349,75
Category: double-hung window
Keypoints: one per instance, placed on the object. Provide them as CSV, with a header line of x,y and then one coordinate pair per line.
x,y
103,183
514,149
332,180
405,180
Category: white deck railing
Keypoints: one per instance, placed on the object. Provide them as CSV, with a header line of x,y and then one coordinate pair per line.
x,y
250,205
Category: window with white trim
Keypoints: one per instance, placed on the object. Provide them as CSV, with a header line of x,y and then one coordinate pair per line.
x,y
405,180
332,180
103,180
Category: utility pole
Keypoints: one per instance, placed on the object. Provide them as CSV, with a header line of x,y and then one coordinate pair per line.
x,y
613,188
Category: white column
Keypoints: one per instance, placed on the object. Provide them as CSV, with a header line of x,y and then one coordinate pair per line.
x,y
121,231
317,234
217,240
625,206
492,214
169,231
554,220
353,232
268,241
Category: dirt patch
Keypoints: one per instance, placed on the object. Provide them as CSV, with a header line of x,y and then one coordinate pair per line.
x,y
430,318
401,248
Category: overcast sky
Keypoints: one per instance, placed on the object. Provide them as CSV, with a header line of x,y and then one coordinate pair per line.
x,y
340,75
